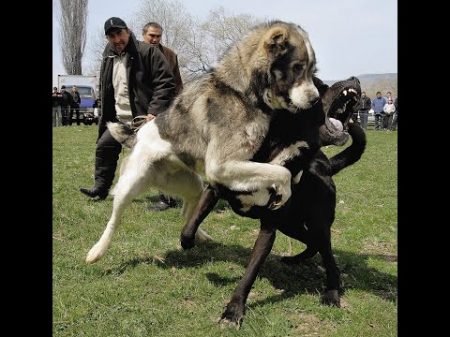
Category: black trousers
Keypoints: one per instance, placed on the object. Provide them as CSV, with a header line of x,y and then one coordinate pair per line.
x,y
75,108
106,156
65,112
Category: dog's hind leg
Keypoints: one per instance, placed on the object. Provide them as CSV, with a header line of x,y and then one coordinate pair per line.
x,y
331,295
133,181
333,282
308,253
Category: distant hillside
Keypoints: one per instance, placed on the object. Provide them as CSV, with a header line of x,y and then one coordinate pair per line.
x,y
371,83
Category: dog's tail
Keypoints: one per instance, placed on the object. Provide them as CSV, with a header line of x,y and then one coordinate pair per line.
x,y
352,153
122,133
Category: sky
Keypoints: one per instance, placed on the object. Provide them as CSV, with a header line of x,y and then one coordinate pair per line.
x,y
349,37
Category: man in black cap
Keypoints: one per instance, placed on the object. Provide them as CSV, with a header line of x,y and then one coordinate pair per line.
x,y
135,80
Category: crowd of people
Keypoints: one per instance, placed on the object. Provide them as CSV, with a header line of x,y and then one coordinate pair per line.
x,y
385,111
64,104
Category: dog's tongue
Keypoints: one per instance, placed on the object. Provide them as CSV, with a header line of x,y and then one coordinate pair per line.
x,y
337,124
332,132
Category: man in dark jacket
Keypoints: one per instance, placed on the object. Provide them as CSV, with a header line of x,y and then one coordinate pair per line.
x,y
135,80
364,106
152,34
66,103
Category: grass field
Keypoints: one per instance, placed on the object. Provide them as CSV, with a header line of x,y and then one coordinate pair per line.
x,y
146,286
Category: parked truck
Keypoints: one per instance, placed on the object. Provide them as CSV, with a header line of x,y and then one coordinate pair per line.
x,y
86,86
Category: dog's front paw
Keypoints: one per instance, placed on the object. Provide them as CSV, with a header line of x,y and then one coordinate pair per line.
x,y
187,242
279,194
233,315
331,298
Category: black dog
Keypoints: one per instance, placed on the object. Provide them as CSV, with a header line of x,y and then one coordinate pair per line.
x,y
308,215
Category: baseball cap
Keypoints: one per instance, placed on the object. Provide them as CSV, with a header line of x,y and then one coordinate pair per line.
x,y
114,22
63,87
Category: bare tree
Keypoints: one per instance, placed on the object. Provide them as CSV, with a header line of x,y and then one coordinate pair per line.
x,y
198,44
213,37
96,47
73,15
225,30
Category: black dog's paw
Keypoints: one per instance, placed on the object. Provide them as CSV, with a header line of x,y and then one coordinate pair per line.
x,y
331,298
233,315
187,242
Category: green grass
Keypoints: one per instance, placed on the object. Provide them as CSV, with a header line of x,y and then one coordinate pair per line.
x,y
146,286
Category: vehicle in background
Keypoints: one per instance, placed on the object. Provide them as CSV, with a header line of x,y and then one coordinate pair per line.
x,y
86,86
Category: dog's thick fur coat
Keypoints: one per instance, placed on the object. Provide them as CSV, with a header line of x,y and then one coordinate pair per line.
x,y
217,124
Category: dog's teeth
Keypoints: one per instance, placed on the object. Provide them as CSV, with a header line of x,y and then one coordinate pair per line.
x,y
353,90
345,92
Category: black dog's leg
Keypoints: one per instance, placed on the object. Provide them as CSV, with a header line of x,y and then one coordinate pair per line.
x,y
207,201
235,309
333,282
308,253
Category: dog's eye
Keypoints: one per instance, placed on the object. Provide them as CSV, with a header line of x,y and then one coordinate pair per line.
x,y
297,68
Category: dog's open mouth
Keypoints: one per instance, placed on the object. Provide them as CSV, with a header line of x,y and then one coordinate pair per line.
x,y
340,101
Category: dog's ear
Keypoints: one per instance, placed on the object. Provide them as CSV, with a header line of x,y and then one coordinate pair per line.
x,y
275,42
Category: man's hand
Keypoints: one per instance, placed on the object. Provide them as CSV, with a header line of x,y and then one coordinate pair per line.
x,y
141,120
150,117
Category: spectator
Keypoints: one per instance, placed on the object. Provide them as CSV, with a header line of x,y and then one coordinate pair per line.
x,y
76,100
377,106
56,106
135,80
152,33
364,107
389,109
387,119
395,117
66,103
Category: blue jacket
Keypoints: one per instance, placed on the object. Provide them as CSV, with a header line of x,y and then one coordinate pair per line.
x,y
378,104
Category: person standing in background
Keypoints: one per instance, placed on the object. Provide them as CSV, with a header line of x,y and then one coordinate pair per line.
x,y
389,109
377,106
76,100
364,107
66,103
152,33
56,107
387,118
395,117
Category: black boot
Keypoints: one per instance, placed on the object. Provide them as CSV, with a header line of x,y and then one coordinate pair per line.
x,y
164,203
105,168
95,192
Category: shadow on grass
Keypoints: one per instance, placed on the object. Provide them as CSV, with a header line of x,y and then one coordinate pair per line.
x,y
300,279
150,199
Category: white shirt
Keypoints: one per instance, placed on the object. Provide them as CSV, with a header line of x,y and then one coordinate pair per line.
x,y
120,84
